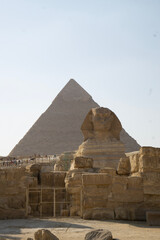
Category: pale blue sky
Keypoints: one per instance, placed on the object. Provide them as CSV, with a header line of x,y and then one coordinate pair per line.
x,y
110,47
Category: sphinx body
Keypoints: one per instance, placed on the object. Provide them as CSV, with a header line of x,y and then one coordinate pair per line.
x,y
101,129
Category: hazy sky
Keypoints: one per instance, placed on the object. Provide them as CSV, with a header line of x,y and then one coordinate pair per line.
x,y
110,47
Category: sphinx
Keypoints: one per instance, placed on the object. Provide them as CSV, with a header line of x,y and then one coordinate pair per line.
x,y
101,130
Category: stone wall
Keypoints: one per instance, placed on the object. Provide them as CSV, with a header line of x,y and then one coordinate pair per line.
x,y
13,183
127,193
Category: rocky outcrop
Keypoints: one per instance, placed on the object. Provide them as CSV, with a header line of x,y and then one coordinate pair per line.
x,y
101,129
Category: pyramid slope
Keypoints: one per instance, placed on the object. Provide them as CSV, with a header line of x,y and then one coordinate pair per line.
x,y
58,128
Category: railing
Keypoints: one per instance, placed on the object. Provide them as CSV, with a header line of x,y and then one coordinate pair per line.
x,y
40,190
25,162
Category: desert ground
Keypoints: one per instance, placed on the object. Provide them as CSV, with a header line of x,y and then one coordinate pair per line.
x,y
76,228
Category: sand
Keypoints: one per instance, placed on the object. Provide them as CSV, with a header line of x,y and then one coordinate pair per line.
x,y
76,228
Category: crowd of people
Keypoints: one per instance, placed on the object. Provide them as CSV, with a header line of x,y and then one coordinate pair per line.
x,y
13,162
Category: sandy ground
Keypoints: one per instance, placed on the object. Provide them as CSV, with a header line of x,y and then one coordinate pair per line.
x,y
76,228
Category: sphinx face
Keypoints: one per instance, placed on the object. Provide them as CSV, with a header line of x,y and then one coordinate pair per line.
x,y
102,119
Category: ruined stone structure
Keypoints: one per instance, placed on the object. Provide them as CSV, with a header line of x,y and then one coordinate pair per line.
x,y
97,184
128,193
64,161
32,191
101,129
58,128
13,184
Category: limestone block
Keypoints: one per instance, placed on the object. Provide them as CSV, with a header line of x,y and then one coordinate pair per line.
x,y
83,162
121,213
151,182
148,162
53,179
152,189
96,179
153,218
34,169
149,159
102,214
127,189
96,190
134,162
99,234
12,213
149,151
29,181
64,161
74,181
44,234
152,200
94,202
151,177
108,170
124,166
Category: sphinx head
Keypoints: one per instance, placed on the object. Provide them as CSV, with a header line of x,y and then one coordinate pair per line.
x,y
101,123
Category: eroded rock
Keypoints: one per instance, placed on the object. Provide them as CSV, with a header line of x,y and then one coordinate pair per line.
x,y
99,234
44,234
101,129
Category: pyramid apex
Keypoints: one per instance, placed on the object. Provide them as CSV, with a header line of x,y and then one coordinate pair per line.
x,y
72,80
72,91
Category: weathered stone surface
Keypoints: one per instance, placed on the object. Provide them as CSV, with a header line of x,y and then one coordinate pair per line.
x,y
124,166
153,218
109,171
149,159
64,161
44,234
102,214
127,189
101,129
96,179
13,184
83,162
134,162
99,234
121,213
53,179
98,213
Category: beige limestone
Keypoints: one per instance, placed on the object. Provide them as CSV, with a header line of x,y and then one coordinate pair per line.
x,y
124,166
64,161
13,183
44,234
101,129
99,234
126,194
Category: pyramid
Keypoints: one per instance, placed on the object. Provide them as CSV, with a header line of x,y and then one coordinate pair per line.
x,y
58,128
